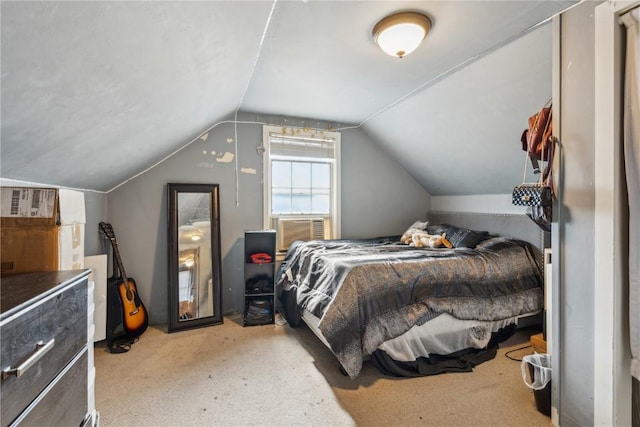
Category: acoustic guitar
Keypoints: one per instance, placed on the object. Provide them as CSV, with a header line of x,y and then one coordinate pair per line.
x,y
134,315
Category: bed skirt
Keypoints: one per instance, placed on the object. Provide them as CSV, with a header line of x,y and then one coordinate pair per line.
x,y
460,361
444,344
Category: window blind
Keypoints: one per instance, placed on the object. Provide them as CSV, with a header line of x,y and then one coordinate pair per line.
x,y
292,146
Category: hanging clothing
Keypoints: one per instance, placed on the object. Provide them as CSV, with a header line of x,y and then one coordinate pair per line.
x,y
631,137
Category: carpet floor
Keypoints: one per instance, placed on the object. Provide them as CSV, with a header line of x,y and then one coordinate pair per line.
x,y
273,375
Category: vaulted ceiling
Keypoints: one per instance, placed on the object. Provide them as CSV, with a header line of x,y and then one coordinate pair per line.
x,y
93,92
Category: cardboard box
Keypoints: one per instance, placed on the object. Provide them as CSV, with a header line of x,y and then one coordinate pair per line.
x,y
42,229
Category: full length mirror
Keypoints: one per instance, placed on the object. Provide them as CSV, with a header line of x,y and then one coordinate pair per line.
x,y
195,290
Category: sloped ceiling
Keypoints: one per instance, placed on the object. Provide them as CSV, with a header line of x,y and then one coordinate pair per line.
x,y
94,92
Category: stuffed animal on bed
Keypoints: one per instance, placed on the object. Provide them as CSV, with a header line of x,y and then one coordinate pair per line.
x,y
416,227
425,240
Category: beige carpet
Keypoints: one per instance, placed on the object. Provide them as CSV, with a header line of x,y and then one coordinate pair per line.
x,y
228,375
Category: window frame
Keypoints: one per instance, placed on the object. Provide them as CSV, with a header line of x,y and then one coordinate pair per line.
x,y
334,196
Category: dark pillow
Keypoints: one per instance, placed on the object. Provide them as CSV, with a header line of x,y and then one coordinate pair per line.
x,y
465,238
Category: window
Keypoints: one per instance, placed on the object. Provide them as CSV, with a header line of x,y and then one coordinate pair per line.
x,y
301,184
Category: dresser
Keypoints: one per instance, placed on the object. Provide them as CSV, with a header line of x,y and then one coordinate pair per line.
x,y
46,359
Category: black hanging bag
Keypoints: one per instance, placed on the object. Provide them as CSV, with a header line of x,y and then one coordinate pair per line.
x,y
535,194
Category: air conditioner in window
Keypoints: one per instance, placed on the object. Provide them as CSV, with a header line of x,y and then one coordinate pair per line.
x,y
292,229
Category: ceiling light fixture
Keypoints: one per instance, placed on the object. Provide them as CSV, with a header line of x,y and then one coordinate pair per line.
x,y
401,33
189,234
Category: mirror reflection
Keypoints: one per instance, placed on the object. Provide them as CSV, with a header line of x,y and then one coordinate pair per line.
x,y
194,247
194,256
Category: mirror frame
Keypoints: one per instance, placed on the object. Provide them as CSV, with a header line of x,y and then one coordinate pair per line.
x,y
173,190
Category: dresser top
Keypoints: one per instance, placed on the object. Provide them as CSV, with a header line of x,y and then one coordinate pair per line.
x,y
19,290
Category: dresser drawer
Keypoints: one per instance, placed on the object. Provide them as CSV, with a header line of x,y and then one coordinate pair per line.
x,y
60,323
64,401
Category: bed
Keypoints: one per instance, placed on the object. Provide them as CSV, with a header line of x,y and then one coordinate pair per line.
x,y
417,311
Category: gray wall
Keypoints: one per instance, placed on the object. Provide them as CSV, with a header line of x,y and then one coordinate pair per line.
x,y
95,205
378,198
575,227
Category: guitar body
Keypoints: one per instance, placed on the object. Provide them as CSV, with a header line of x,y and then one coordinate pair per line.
x,y
134,313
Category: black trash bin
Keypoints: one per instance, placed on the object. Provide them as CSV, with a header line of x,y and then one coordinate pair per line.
x,y
539,369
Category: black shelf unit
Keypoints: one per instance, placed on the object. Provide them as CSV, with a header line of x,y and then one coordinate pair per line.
x,y
259,278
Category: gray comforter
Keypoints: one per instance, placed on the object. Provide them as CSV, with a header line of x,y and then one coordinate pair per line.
x,y
368,291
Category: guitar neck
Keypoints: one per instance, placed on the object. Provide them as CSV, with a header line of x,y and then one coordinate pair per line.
x,y
123,273
107,230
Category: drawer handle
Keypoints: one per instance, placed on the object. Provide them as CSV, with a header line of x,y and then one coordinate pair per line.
x,y
41,350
